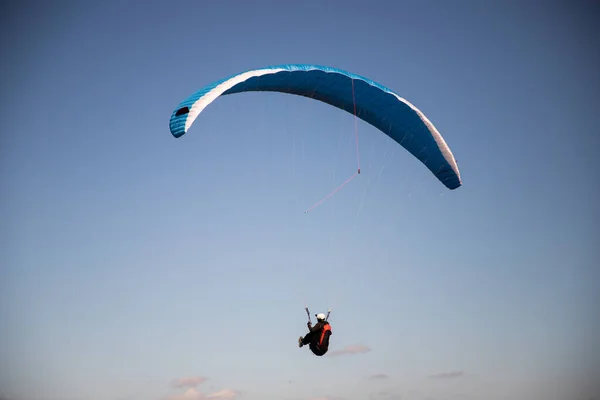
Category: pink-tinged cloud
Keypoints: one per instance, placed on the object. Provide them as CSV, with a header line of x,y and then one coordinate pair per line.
x,y
448,375
191,381
225,394
195,394
190,394
349,350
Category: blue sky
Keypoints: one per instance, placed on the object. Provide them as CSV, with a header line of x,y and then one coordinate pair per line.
x,y
132,259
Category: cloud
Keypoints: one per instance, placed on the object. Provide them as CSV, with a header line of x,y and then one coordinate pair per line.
x,y
225,394
192,393
448,375
195,394
378,376
191,381
356,349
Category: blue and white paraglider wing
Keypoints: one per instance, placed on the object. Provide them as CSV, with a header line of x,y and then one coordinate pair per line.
x,y
372,102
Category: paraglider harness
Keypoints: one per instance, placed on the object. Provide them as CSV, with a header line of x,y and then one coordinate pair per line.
x,y
326,328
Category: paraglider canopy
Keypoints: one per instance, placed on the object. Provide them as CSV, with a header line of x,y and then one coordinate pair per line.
x,y
368,100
